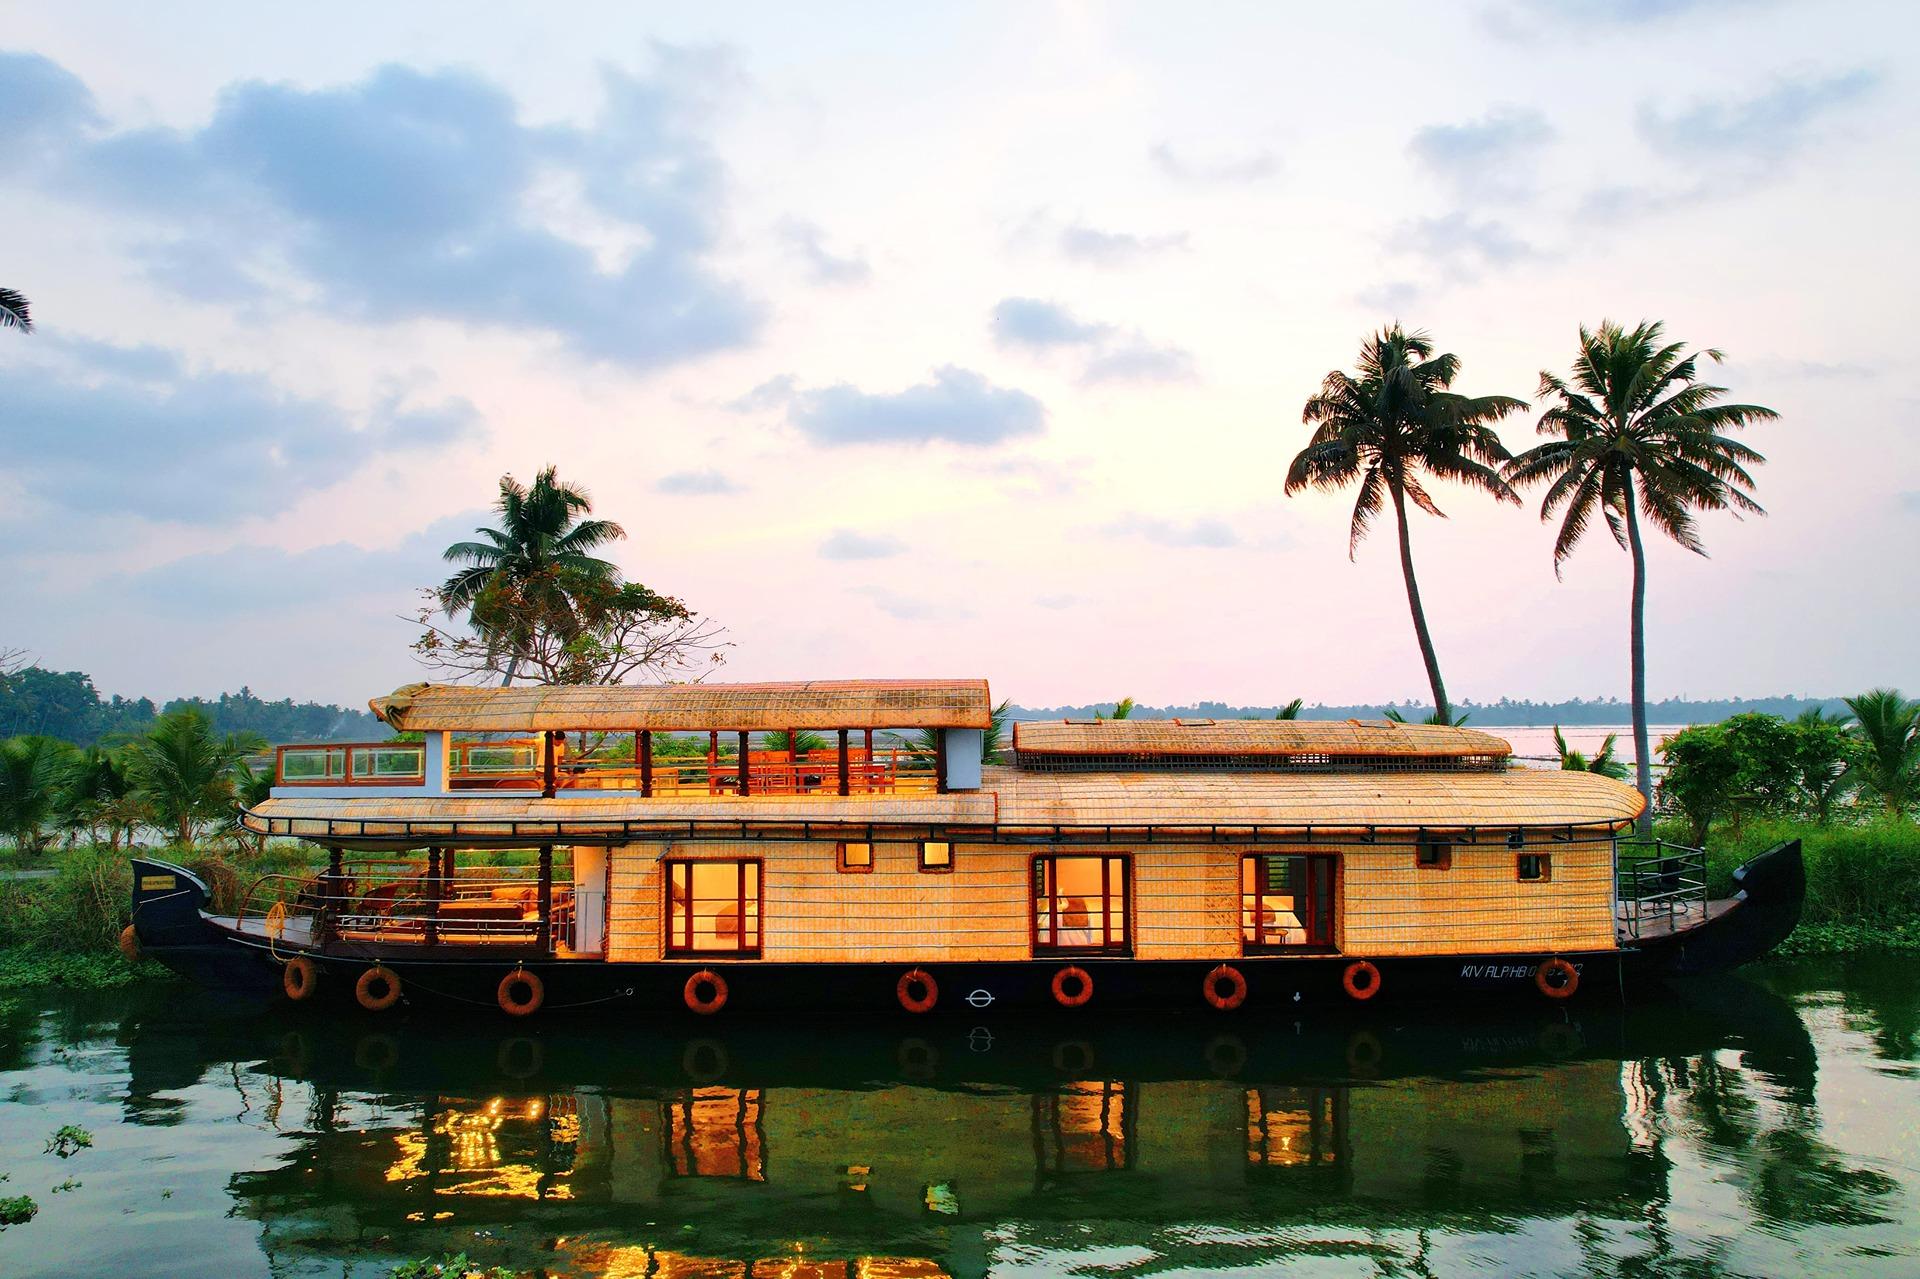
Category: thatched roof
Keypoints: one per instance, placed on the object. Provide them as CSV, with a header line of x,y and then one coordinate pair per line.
x,y
1121,807
813,704
1264,737
1327,801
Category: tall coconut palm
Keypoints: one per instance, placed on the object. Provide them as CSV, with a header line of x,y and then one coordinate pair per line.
x,y
1636,435
1887,765
13,311
34,775
541,538
1385,427
186,775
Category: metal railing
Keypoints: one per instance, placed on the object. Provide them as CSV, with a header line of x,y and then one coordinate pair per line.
x,y
1660,885
407,903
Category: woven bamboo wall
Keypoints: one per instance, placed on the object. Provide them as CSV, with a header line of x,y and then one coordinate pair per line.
x,y
1389,906
1186,902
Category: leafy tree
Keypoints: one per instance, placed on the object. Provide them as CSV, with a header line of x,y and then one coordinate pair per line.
x,y
186,775
34,773
1731,770
1635,435
1385,428
1887,765
14,312
1823,750
541,546
1603,762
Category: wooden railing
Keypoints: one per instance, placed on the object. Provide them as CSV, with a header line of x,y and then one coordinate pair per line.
x,y
414,903
520,764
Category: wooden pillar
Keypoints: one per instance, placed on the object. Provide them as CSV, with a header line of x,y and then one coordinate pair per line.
x,y
940,760
643,749
332,895
546,899
550,780
746,784
869,769
844,770
433,896
713,761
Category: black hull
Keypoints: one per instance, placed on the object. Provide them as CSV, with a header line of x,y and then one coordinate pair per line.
x,y
174,930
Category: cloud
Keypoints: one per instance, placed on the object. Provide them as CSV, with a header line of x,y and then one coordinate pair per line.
x,y
826,267
263,579
1765,128
911,608
1115,248
421,194
99,429
774,393
1205,533
1908,501
1394,296
42,105
1584,15
959,406
695,484
846,544
1107,352
1493,154
1463,241
1215,167
1036,323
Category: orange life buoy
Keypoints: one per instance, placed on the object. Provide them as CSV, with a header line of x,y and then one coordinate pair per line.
x,y
378,989
1076,974
929,990
712,1002
521,993
299,978
1361,979
1557,970
130,944
1236,988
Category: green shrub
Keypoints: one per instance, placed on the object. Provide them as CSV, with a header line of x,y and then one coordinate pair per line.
x,y
1863,882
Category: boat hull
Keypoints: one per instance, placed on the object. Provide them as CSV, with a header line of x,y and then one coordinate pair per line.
x,y
215,952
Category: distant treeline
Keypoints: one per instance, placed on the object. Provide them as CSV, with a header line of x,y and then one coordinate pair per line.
x,y
65,704
1504,713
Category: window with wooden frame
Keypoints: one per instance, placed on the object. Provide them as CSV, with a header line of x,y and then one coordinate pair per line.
x,y
713,907
853,859
1534,868
1080,905
936,856
1286,902
1433,854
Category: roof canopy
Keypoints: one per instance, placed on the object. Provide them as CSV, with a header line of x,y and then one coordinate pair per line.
x,y
815,704
1175,738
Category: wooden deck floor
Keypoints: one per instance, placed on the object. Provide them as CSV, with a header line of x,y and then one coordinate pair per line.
x,y
1664,925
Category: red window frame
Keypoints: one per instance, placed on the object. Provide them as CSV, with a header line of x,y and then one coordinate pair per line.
x,y
1116,905
1320,886
680,916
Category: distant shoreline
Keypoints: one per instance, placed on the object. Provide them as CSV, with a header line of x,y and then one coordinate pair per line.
x,y
1505,713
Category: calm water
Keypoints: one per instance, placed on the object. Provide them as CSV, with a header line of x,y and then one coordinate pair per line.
x,y
1750,1127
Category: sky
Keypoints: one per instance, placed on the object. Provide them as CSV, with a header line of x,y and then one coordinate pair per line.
x,y
939,340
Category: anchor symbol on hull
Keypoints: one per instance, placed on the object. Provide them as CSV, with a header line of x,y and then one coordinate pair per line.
x,y
980,998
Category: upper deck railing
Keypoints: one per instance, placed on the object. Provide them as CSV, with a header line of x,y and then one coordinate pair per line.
x,y
521,765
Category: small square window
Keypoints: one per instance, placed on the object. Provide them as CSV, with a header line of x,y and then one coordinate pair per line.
x,y
936,856
1430,854
1534,867
854,859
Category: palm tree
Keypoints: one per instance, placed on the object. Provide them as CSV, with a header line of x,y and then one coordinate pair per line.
x,y
186,775
541,536
1888,764
1635,435
1291,710
99,796
993,741
1603,763
34,774
13,311
1824,750
1397,419
1122,709
1446,717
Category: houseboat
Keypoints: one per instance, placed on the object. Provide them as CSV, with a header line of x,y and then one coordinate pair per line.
x,y
716,850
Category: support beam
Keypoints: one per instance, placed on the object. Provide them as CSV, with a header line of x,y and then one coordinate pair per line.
x,y
550,777
433,896
869,771
746,783
546,899
844,770
643,751
940,761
